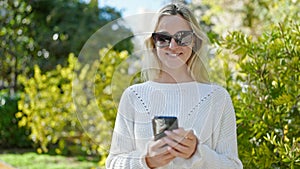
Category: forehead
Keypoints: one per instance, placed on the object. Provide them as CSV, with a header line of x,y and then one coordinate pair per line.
x,y
172,24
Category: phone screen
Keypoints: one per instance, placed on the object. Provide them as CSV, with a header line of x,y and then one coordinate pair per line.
x,y
163,123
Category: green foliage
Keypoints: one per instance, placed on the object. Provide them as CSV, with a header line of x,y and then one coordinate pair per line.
x,y
31,160
96,95
263,77
38,32
60,33
46,106
111,68
203,11
249,16
72,105
258,15
10,134
17,45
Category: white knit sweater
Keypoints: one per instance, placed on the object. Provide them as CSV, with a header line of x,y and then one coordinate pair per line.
x,y
205,108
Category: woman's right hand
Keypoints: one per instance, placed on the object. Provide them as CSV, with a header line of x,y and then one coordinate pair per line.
x,y
158,154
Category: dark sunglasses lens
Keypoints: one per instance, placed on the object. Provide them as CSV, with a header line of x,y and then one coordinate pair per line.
x,y
184,38
161,40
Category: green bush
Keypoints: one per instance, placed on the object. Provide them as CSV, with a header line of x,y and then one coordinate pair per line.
x,y
11,136
73,106
262,76
46,108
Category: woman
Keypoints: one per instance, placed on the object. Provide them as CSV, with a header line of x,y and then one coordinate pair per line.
x,y
177,85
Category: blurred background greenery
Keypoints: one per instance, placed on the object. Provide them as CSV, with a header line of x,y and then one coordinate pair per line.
x,y
254,54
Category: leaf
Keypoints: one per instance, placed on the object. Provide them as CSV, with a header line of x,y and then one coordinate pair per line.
x,y
283,99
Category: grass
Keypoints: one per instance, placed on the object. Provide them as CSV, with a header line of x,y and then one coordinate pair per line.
x,y
32,160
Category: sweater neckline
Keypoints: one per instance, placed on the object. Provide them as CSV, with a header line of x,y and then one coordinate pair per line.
x,y
172,86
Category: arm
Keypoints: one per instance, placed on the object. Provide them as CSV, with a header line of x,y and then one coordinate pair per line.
x,y
123,154
225,154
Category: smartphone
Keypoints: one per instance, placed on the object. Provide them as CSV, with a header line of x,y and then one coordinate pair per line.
x,y
163,123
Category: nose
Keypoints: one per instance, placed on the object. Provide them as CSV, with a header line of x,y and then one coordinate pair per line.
x,y
173,44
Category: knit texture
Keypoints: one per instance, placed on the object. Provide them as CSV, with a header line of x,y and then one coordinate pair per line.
x,y
205,108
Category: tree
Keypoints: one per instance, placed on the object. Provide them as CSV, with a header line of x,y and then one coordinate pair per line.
x,y
249,16
74,104
263,77
258,46
37,32
17,47
60,33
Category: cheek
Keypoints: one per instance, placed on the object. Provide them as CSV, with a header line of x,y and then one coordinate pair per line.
x,y
159,53
187,54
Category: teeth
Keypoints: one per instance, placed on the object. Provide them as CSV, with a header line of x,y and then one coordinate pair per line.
x,y
174,54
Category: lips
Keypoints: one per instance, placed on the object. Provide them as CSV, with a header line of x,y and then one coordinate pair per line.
x,y
174,54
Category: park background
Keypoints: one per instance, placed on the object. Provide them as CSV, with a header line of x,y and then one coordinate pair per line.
x,y
254,54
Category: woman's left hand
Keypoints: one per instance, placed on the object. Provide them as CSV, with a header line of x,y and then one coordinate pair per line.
x,y
182,143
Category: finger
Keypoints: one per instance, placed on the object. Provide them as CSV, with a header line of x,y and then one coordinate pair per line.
x,y
190,135
166,156
179,131
178,138
163,150
154,149
177,146
160,160
176,153
189,143
169,157
174,136
165,159
158,144
184,133
159,152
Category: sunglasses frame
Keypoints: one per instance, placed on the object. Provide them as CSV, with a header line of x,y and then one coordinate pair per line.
x,y
169,37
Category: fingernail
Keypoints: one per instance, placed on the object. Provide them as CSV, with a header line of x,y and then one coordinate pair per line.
x,y
176,130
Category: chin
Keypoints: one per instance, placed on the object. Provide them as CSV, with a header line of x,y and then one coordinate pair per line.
x,y
174,65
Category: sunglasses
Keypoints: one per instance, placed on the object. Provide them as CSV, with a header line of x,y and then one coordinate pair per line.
x,y
163,39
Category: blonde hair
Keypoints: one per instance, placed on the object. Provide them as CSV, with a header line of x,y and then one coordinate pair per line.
x,y
196,63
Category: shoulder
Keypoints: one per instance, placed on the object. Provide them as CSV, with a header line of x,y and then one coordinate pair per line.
x,y
139,86
221,90
135,89
213,88
217,94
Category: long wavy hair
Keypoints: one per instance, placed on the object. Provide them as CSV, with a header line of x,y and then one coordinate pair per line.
x,y
196,63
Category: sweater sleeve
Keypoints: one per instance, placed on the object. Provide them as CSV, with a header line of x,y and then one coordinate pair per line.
x,y
225,155
123,153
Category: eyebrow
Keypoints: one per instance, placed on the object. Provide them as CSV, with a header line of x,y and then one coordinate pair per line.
x,y
166,32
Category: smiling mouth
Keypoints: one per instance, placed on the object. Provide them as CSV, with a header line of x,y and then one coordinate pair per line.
x,y
174,54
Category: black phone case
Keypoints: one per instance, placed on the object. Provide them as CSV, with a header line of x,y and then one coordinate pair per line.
x,y
163,123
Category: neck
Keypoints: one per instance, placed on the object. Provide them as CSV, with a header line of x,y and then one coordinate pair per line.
x,y
174,76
